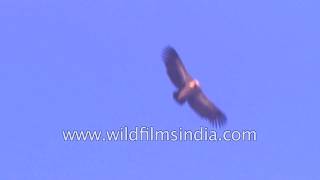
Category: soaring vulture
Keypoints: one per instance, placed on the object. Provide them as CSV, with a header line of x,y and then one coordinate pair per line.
x,y
188,89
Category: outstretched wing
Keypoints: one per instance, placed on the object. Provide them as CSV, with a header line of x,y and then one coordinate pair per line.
x,y
175,68
206,109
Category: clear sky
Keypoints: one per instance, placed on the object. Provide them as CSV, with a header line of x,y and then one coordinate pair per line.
x,y
96,65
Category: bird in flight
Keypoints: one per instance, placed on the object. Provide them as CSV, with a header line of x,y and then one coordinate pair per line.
x,y
189,90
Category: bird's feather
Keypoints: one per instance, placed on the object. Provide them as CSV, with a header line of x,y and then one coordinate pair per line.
x,y
206,109
175,68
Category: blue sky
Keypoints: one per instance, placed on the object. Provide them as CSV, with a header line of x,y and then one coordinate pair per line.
x,y
97,65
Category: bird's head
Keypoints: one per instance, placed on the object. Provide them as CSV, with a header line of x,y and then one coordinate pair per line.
x,y
194,84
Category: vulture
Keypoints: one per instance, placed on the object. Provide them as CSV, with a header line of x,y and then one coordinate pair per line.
x,y
189,90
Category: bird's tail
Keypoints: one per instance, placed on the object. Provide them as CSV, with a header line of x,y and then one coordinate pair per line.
x,y
175,96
